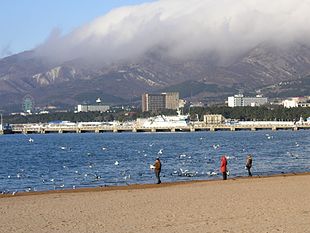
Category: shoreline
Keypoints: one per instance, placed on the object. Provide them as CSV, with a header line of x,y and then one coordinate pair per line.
x,y
146,186
279,203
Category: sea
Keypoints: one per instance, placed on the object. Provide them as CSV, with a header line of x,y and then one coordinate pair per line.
x,y
42,162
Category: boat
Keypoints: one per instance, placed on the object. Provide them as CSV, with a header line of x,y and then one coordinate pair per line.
x,y
7,129
163,121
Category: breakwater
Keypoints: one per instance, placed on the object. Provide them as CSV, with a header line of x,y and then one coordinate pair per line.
x,y
118,128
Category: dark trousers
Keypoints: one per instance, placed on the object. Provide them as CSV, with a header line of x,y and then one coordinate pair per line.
x,y
157,174
249,171
224,175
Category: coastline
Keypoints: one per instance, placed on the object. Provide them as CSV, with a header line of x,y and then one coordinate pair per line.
x,y
279,203
145,186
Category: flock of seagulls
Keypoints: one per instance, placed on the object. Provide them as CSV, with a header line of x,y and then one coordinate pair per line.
x,y
93,176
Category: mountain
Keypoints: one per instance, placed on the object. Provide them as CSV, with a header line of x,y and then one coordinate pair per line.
x,y
201,77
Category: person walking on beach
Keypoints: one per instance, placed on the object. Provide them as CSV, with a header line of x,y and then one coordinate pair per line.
x,y
248,164
157,170
224,167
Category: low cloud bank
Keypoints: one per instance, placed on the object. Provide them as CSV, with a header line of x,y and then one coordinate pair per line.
x,y
182,28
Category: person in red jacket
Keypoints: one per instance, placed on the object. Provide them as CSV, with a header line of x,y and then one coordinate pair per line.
x,y
224,167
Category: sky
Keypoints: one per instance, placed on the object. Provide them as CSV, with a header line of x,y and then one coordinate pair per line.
x,y
25,24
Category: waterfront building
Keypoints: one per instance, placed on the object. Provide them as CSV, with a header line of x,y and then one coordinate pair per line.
x,y
157,102
242,101
296,102
92,108
172,100
98,107
213,119
290,103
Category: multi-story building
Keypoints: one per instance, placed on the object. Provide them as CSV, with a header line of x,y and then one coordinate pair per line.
x,y
92,108
296,102
241,101
157,102
214,119
172,100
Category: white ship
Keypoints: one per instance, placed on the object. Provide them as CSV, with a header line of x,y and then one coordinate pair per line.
x,y
166,121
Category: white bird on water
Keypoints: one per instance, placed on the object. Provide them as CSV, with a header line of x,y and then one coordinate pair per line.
x,y
160,151
31,140
116,163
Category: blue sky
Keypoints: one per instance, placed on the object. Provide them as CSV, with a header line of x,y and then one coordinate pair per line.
x,y
26,23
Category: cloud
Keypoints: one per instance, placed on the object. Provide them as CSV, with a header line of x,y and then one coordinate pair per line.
x,y
183,28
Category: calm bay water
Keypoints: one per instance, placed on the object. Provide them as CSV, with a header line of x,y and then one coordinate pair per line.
x,y
66,161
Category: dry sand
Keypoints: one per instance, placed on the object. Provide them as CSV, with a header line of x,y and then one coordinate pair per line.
x,y
274,204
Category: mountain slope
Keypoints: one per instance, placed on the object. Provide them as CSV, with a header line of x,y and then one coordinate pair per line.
x,y
69,82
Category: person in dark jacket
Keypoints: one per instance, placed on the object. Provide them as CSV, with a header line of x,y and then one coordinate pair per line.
x,y
157,170
224,167
248,164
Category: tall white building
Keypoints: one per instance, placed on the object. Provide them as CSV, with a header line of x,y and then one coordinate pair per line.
x,y
241,101
92,108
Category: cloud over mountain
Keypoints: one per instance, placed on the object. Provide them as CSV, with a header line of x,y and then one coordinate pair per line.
x,y
182,28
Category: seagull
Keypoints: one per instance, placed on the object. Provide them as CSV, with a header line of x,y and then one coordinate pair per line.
x,y
31,140
212,173
127,177
103,148
63,147
116,163
160,151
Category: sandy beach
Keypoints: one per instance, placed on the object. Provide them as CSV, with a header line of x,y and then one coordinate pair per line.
x,y
269,204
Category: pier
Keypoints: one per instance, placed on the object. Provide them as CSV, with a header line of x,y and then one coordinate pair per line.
x,y
192,127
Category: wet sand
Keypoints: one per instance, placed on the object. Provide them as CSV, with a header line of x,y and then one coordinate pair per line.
x,y
269,204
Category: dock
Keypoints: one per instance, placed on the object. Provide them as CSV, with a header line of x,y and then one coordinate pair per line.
x,y
194,127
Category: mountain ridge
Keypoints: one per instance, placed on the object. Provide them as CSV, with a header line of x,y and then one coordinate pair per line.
x,y
55,84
